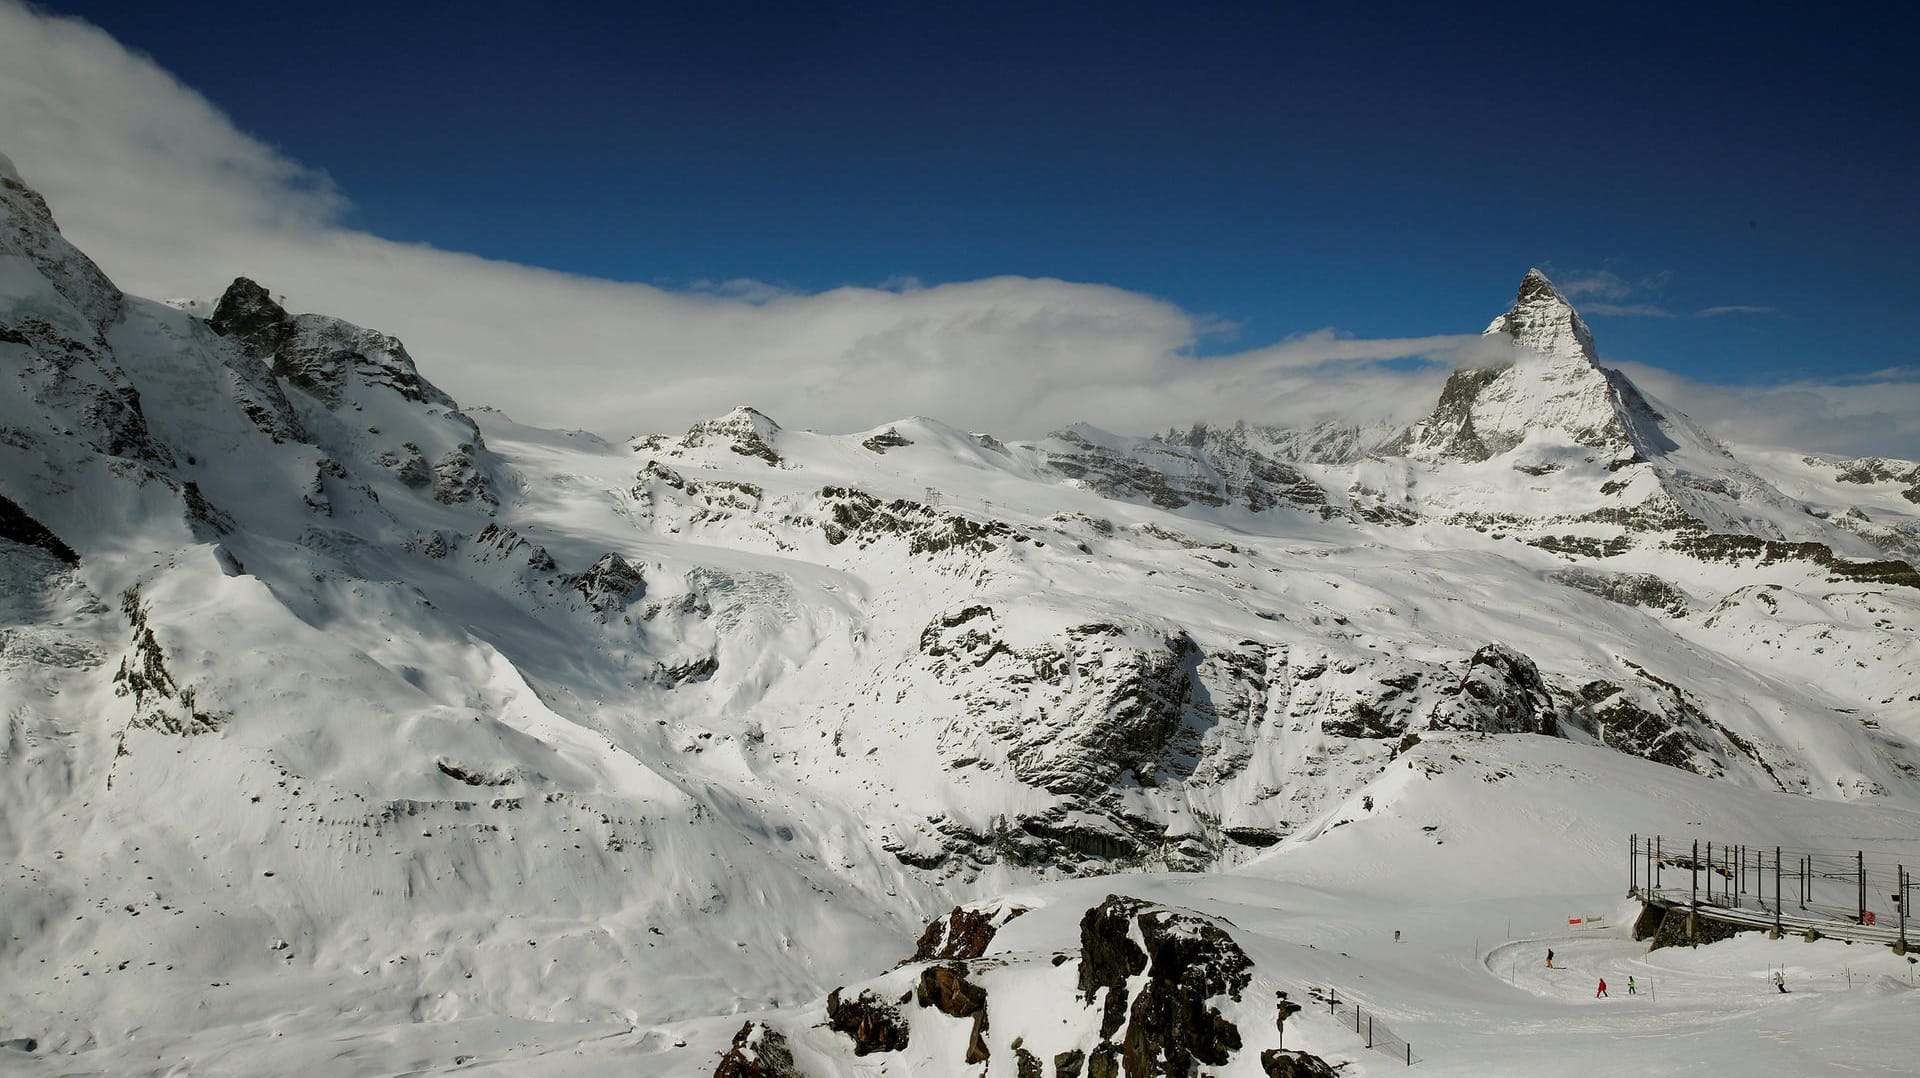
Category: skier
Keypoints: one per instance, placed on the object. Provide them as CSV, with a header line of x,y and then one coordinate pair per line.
x,y
1549,958
1780,980
1631,990
1601,992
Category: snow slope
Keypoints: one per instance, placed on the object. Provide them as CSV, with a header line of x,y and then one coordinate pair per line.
x,y
350,730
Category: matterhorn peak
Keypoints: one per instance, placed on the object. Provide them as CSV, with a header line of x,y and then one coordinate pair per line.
x,y
1543,321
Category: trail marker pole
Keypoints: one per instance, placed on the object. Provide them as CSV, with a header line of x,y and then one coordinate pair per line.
x,y
1860,865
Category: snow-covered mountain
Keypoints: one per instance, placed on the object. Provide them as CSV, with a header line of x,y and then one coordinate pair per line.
x,y
337,711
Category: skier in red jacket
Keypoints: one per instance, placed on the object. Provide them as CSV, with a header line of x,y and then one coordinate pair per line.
x,y
1602,990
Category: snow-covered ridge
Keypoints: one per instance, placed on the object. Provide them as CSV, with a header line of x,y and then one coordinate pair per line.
x,y
346,703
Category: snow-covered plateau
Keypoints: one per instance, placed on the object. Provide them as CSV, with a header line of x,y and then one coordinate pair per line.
x,y
349,731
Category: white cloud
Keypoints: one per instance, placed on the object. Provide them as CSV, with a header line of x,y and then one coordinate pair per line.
x,y
1879,414
1626,310
1731,308
171,199
1603,284
159,187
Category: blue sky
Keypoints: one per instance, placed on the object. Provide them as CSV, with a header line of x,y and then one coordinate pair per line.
x,y
1384,169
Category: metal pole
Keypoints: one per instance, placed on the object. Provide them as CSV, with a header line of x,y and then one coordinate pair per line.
x,y
1369,1031
1658,857
1633,863
1900,877
1709,874
1860,865
1776,890
1693,912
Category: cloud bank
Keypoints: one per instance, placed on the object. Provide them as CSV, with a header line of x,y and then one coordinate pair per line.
x,y
171,199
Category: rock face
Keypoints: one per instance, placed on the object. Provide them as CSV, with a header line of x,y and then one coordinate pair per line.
x,y
946,989
1171,1027
758,1051
316,353
874,1024
963,933
19,526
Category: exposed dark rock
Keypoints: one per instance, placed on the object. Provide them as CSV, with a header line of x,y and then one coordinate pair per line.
x,y
963,933
159,701
744,431
1026,1064
1068,1064
1726,547
611,584
248,314
874,1024
20,526
1675,739
947,990
1109,956
887,439
1282,1063
693,670
1449,429
1502,692
758,1051
1585,546
859,516
1171,1027
475,776
1674,930
1628,589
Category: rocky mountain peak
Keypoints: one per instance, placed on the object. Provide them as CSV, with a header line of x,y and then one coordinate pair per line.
x,y
1543,321
248,314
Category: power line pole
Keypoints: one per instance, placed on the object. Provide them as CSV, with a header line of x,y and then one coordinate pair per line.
x,y
1860,866
1776,892
1900,877
1693,908
1633,864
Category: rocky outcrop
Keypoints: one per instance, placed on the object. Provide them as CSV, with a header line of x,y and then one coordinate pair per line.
x,y
1284,1063
1203,465
858,517
885,440
946,989
1172,1027
963,933
745,431
610,585
1749,548
160,702
249,316
1502,692
318,354
19,526
874,1024
758,1051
